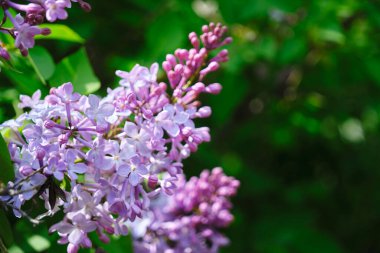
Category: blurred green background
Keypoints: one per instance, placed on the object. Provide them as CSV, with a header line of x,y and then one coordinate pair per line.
x,y
298,120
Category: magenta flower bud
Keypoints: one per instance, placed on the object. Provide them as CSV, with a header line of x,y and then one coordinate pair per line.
x,y
152,181
178,68
213,66
26,170
217,171
222,56
34,8
225,216
187,72
186,131
63,138
45,31
171,59
102,129
85,6
24,51
40,153
193,35
49,124
204,112
192,146
205,28
34,19
227,40
148,114
109,229
72,248
207,233
194,40
203,207
87,242
4,53
212,39
198,87
62,240
182,54
166,66
104,238
214,88
162,86
235,183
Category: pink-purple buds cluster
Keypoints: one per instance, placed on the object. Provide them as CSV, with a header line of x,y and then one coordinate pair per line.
x,y
190,219
103,160
25,24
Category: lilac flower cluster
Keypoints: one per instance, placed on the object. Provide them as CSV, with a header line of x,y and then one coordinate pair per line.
x,y
102,160
189,220
25,24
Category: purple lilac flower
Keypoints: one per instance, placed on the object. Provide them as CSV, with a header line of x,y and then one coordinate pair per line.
x,y
4,52
55,9
25,25
189,220
24,33
134,170
115,154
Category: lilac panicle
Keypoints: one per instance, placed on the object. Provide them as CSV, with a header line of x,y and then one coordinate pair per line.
x,y
189,220
102,160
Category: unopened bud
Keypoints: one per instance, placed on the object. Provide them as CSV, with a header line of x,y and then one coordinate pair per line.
x,y
72,248
152,181
102,129
49,124
85,6
40,153
63,138
4,54
26,170
204,112
45,31
214,88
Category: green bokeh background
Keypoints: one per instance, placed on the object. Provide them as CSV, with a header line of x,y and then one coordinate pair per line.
x,y
297,122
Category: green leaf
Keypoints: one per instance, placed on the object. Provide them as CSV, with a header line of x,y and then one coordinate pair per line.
x,y
42,62
77,69
38,243
61,32
159,44
15,249
292,49
26,82
7,171
6,230
118,244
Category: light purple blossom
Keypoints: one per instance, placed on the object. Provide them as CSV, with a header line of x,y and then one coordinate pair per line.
x,y
134,170
99,112
25,24
30,102
76,231
188,219
66,93
25,33
116,154
55,9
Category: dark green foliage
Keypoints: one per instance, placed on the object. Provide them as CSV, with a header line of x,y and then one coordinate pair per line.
x,y
297,121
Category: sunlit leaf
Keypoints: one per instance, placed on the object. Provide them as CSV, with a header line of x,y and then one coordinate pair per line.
x,y
38,243
76,69
42,62
61,32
